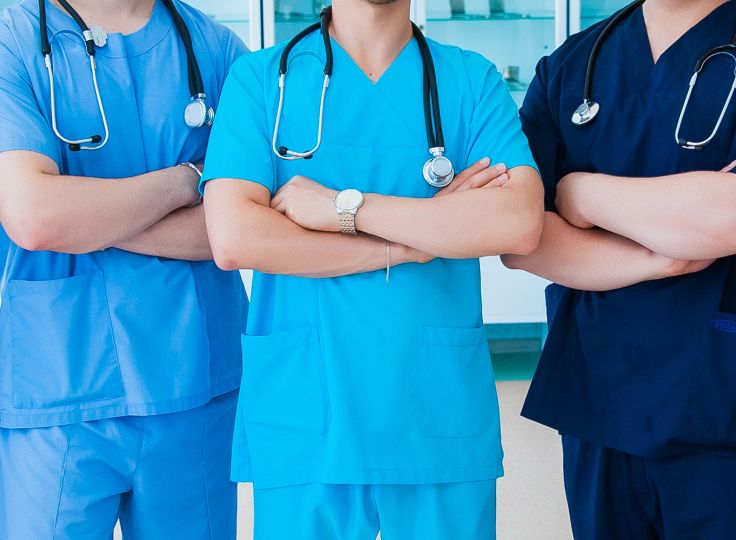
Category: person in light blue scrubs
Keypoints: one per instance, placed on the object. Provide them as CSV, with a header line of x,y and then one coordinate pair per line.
x,y
368,399
638,372
119,337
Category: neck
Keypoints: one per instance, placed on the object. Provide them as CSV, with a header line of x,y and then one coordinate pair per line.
x,y
372,33
124,16
668,20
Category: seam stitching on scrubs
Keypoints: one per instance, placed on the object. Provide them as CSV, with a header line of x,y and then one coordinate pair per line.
x,y
68,430
139,452
204,469
112,335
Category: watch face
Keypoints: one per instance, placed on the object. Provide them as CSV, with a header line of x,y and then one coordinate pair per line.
x,y
349,200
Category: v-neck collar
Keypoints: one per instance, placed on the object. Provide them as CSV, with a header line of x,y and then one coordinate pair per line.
x,y
395,64
704,35
119,45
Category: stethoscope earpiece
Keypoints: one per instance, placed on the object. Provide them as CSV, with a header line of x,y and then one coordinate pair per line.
x,y
587,111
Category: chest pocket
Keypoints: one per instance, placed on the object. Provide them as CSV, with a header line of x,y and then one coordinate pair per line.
x,y
62,348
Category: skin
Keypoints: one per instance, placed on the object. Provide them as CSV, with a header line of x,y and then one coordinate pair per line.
x,y
43,210
295,232
653,227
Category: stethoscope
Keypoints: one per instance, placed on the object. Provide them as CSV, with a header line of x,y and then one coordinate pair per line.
x,y
197,113
437,171
590,109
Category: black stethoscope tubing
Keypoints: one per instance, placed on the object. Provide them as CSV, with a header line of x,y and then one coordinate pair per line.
x,y
589,109
438,170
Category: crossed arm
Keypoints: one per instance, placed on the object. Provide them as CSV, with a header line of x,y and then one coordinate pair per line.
x,y
295,232
42,210
614,232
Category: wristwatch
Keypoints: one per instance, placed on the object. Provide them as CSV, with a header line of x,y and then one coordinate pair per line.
x,y
348,202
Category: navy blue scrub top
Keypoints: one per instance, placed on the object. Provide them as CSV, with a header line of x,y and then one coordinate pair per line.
x,y
648,369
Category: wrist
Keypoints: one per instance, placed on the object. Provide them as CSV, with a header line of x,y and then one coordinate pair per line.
x,y
186,178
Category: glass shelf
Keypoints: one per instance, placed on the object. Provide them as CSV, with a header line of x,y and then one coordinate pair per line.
x,y
471,17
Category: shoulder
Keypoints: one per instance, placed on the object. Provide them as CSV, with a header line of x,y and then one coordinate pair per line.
x,y
573,54
470,69
18,24
259,64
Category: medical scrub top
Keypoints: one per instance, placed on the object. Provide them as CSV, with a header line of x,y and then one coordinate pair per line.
x,y
351,379
648,369
111,333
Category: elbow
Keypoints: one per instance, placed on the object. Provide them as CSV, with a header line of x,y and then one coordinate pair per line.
x,y
228,251
527,234
226,258
31,234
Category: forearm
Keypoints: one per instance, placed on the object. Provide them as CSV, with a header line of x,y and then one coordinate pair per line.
x,y
260,238
180,235
474,223
43,210
686,216
588,259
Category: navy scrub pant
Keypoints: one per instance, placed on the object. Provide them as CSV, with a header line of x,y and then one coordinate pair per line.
x,y
617,496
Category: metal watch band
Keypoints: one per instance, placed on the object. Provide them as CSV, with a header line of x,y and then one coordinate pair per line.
x,y
347,223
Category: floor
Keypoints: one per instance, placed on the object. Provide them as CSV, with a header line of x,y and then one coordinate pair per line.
x,y
531,504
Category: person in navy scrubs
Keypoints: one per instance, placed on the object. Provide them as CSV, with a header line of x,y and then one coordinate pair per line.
x,y
639,371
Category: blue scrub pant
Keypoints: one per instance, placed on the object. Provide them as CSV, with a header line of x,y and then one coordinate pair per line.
x,y
166,477
617,496
461,511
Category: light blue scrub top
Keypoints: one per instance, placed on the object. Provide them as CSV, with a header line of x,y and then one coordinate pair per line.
x,y
350,380
111,333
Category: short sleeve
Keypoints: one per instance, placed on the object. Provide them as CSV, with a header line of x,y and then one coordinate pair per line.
x,y
239,146
495,130
23,125
541,130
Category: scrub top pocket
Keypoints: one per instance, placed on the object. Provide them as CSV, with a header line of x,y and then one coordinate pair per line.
x,y
284,389
454,392
714,383
62,347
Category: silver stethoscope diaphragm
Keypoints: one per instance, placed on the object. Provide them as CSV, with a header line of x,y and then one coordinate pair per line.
x,y
438,170
587,111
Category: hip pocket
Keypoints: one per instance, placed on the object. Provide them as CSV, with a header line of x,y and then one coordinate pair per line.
x,y
713,391
454,392
284,389
62,347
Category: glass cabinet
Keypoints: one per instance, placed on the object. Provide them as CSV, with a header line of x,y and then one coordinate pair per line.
x,y
585,13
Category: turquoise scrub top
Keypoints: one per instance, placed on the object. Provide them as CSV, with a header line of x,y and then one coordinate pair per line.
x,y
348,379
111,333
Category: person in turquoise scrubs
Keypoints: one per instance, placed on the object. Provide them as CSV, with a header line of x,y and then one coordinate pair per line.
x,y
119,337
368,399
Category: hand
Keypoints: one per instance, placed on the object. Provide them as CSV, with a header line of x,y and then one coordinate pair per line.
x,y
675,267
729,168
478,175
565,200
308,204
401,254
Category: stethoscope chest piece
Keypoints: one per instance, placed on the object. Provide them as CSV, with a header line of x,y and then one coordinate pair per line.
x,y
197,114
438,170
584,114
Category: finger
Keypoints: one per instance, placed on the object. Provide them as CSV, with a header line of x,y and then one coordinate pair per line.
x,y
484,178
277,198
475,168
730,167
